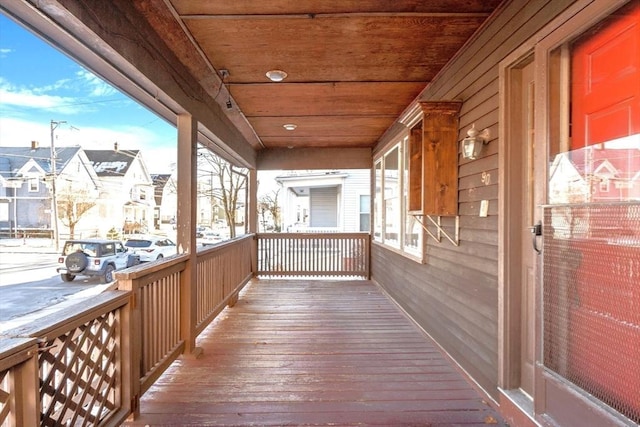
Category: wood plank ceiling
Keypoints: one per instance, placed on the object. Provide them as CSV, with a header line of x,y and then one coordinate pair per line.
x,y
352,66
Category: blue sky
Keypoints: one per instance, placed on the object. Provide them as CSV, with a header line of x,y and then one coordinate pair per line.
x,y
38,84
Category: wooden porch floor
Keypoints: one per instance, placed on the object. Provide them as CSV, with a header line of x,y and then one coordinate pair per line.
x,y
311,352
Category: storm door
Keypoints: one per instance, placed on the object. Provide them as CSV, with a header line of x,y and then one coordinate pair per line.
x,y
591,224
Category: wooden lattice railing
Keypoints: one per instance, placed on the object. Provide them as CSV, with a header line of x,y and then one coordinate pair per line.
x,y
313,254
74,363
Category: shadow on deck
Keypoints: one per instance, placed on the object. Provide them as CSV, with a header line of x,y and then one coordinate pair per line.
x,y
314,352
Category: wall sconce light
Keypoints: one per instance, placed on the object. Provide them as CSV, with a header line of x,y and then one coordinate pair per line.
x,y
473,143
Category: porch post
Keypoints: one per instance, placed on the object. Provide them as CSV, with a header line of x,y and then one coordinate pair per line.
x,y
185,230
253,216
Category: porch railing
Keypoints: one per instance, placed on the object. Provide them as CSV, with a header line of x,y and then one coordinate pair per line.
x,y
313,254
75,363
90,363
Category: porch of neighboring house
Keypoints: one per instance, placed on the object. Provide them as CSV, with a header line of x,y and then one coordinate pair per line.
x,y
314,352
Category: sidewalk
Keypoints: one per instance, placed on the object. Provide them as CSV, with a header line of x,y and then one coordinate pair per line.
x,y
27,245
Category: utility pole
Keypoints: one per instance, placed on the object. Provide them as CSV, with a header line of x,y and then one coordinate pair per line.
x,y
54,201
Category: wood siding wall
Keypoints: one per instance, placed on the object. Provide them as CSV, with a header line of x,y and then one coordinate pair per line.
x,y
454,296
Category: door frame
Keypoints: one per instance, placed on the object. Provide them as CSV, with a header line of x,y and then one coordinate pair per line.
x,y
554,398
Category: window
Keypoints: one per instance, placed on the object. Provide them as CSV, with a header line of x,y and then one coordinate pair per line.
x,y
34,185
377,203
392,197
365,212
394,227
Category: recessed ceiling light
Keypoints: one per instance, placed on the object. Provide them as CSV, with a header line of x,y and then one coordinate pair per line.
x,y
276,75
289,126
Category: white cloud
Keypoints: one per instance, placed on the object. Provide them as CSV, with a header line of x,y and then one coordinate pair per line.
x,y
96,86
13,96
4,52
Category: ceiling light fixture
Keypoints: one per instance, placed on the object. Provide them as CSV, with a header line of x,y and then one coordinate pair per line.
x,y
276,75
289,126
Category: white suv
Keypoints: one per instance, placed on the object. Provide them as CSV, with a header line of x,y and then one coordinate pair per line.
x,y
94,257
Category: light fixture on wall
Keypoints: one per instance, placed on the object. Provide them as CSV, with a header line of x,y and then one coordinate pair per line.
x,y
276,75
473,143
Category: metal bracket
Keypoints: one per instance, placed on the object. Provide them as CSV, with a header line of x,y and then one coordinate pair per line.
x,y
455,240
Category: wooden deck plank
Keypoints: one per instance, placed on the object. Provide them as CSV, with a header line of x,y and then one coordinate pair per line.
x,y
314,353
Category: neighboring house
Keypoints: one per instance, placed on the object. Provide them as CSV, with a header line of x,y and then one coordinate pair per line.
x,y
127,200
26,189
166,198
326,201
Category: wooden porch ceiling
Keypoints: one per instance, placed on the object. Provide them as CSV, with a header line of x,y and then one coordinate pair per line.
x,y
314,353
353,65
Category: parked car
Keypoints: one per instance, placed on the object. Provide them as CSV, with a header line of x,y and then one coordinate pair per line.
x,y
151,248
200,230
94,257
209,238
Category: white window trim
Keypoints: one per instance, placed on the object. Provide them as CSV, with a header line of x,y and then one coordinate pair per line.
x,y
400,247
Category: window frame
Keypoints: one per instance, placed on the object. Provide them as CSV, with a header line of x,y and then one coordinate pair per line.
x,y
33,184
379,201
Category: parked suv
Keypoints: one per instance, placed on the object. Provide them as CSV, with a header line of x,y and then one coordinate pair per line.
x,y
94,257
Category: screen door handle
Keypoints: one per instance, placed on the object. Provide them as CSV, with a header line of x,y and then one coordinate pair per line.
x,y
536,231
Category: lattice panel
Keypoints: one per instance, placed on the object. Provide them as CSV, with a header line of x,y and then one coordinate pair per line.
x,y
592,300
5,396
78,374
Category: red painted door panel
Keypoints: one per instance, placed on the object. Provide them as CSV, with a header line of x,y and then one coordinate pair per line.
x,y
605,319
606,83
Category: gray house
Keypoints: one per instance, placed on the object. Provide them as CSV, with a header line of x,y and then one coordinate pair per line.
x,y
27,187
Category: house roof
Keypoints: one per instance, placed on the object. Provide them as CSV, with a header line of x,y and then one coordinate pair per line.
x,y
13,159
159,181
111,163
619,163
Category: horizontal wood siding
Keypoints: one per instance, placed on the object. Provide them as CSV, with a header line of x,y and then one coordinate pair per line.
x,y
454,296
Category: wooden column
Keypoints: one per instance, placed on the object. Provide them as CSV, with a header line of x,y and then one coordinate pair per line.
x,y
252,218
186,225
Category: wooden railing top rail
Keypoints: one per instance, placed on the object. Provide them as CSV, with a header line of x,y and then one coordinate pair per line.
x,y
355,234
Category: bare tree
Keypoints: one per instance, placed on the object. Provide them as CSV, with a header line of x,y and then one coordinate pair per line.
x,y
269,203
73,204
232,182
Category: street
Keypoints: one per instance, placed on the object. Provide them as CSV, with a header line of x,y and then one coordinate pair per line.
x,y
31,288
